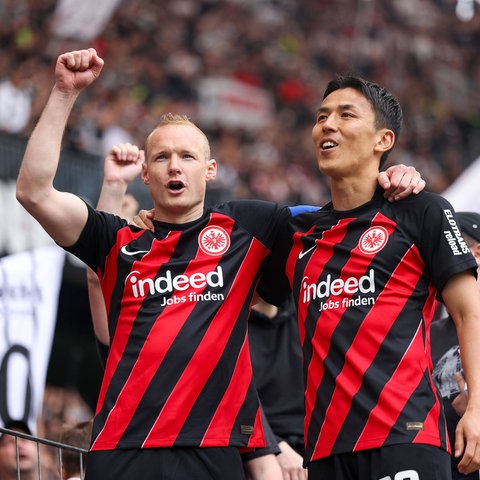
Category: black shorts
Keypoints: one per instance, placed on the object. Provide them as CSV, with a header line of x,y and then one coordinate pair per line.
x,y
396,462
185,463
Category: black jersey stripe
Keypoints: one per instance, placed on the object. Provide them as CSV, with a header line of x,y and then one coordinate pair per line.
x,y
236,393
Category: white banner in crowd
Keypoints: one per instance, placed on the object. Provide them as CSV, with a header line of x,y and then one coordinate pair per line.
x,y
463,193
19,231
83,20
232,103
29,289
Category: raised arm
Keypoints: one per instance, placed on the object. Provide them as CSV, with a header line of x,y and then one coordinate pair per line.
x,y
62,214
123,164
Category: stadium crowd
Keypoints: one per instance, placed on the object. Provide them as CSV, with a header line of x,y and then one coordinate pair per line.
x,y
157,52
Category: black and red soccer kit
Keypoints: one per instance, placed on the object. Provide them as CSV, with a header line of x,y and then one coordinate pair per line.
x,y
365,282
178,371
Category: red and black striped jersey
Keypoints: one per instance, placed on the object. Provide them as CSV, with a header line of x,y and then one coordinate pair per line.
x,y
178,371
365,283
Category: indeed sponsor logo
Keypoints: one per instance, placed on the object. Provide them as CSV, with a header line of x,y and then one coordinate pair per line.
x,y
336,287
454,236
141,287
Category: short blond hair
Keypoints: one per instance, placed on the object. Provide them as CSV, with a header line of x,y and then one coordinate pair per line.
x,y
177,119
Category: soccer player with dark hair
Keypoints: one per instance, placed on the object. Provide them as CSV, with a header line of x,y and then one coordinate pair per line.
x,y
365,274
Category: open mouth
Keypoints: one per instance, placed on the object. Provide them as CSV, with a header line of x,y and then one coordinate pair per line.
x,y
175,185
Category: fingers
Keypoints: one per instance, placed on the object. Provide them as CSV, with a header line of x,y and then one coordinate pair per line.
x,y
467,444
400,181
127,152
76,70
459,442
81,60
291,463
470,461
144,220
123,163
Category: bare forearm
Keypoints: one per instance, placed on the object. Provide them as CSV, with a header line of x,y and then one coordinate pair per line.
x,y
462,299
111,196
40,162
61,214
469,339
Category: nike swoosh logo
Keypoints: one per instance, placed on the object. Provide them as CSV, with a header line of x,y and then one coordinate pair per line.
x,y
134,252
304,252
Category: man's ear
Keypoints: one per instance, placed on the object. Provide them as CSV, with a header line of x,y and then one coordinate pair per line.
x,y
211,172
145,179
385,141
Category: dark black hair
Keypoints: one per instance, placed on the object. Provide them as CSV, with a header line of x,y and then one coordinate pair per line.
x,y
388,113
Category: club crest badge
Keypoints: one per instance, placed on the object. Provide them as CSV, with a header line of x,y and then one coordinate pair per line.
x,y
214,240
373,240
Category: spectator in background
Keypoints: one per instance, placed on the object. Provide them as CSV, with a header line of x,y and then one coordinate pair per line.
x,y
16,96
446,356
73,463
14,448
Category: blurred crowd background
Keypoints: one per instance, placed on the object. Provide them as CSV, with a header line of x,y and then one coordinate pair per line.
x,y
158,56
157,53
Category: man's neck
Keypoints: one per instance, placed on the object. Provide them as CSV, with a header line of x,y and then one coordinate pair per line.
x,y
178,216
348,194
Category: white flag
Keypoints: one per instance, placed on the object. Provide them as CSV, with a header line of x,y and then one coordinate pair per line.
x,y
232,103
83,20
29,289
463,192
